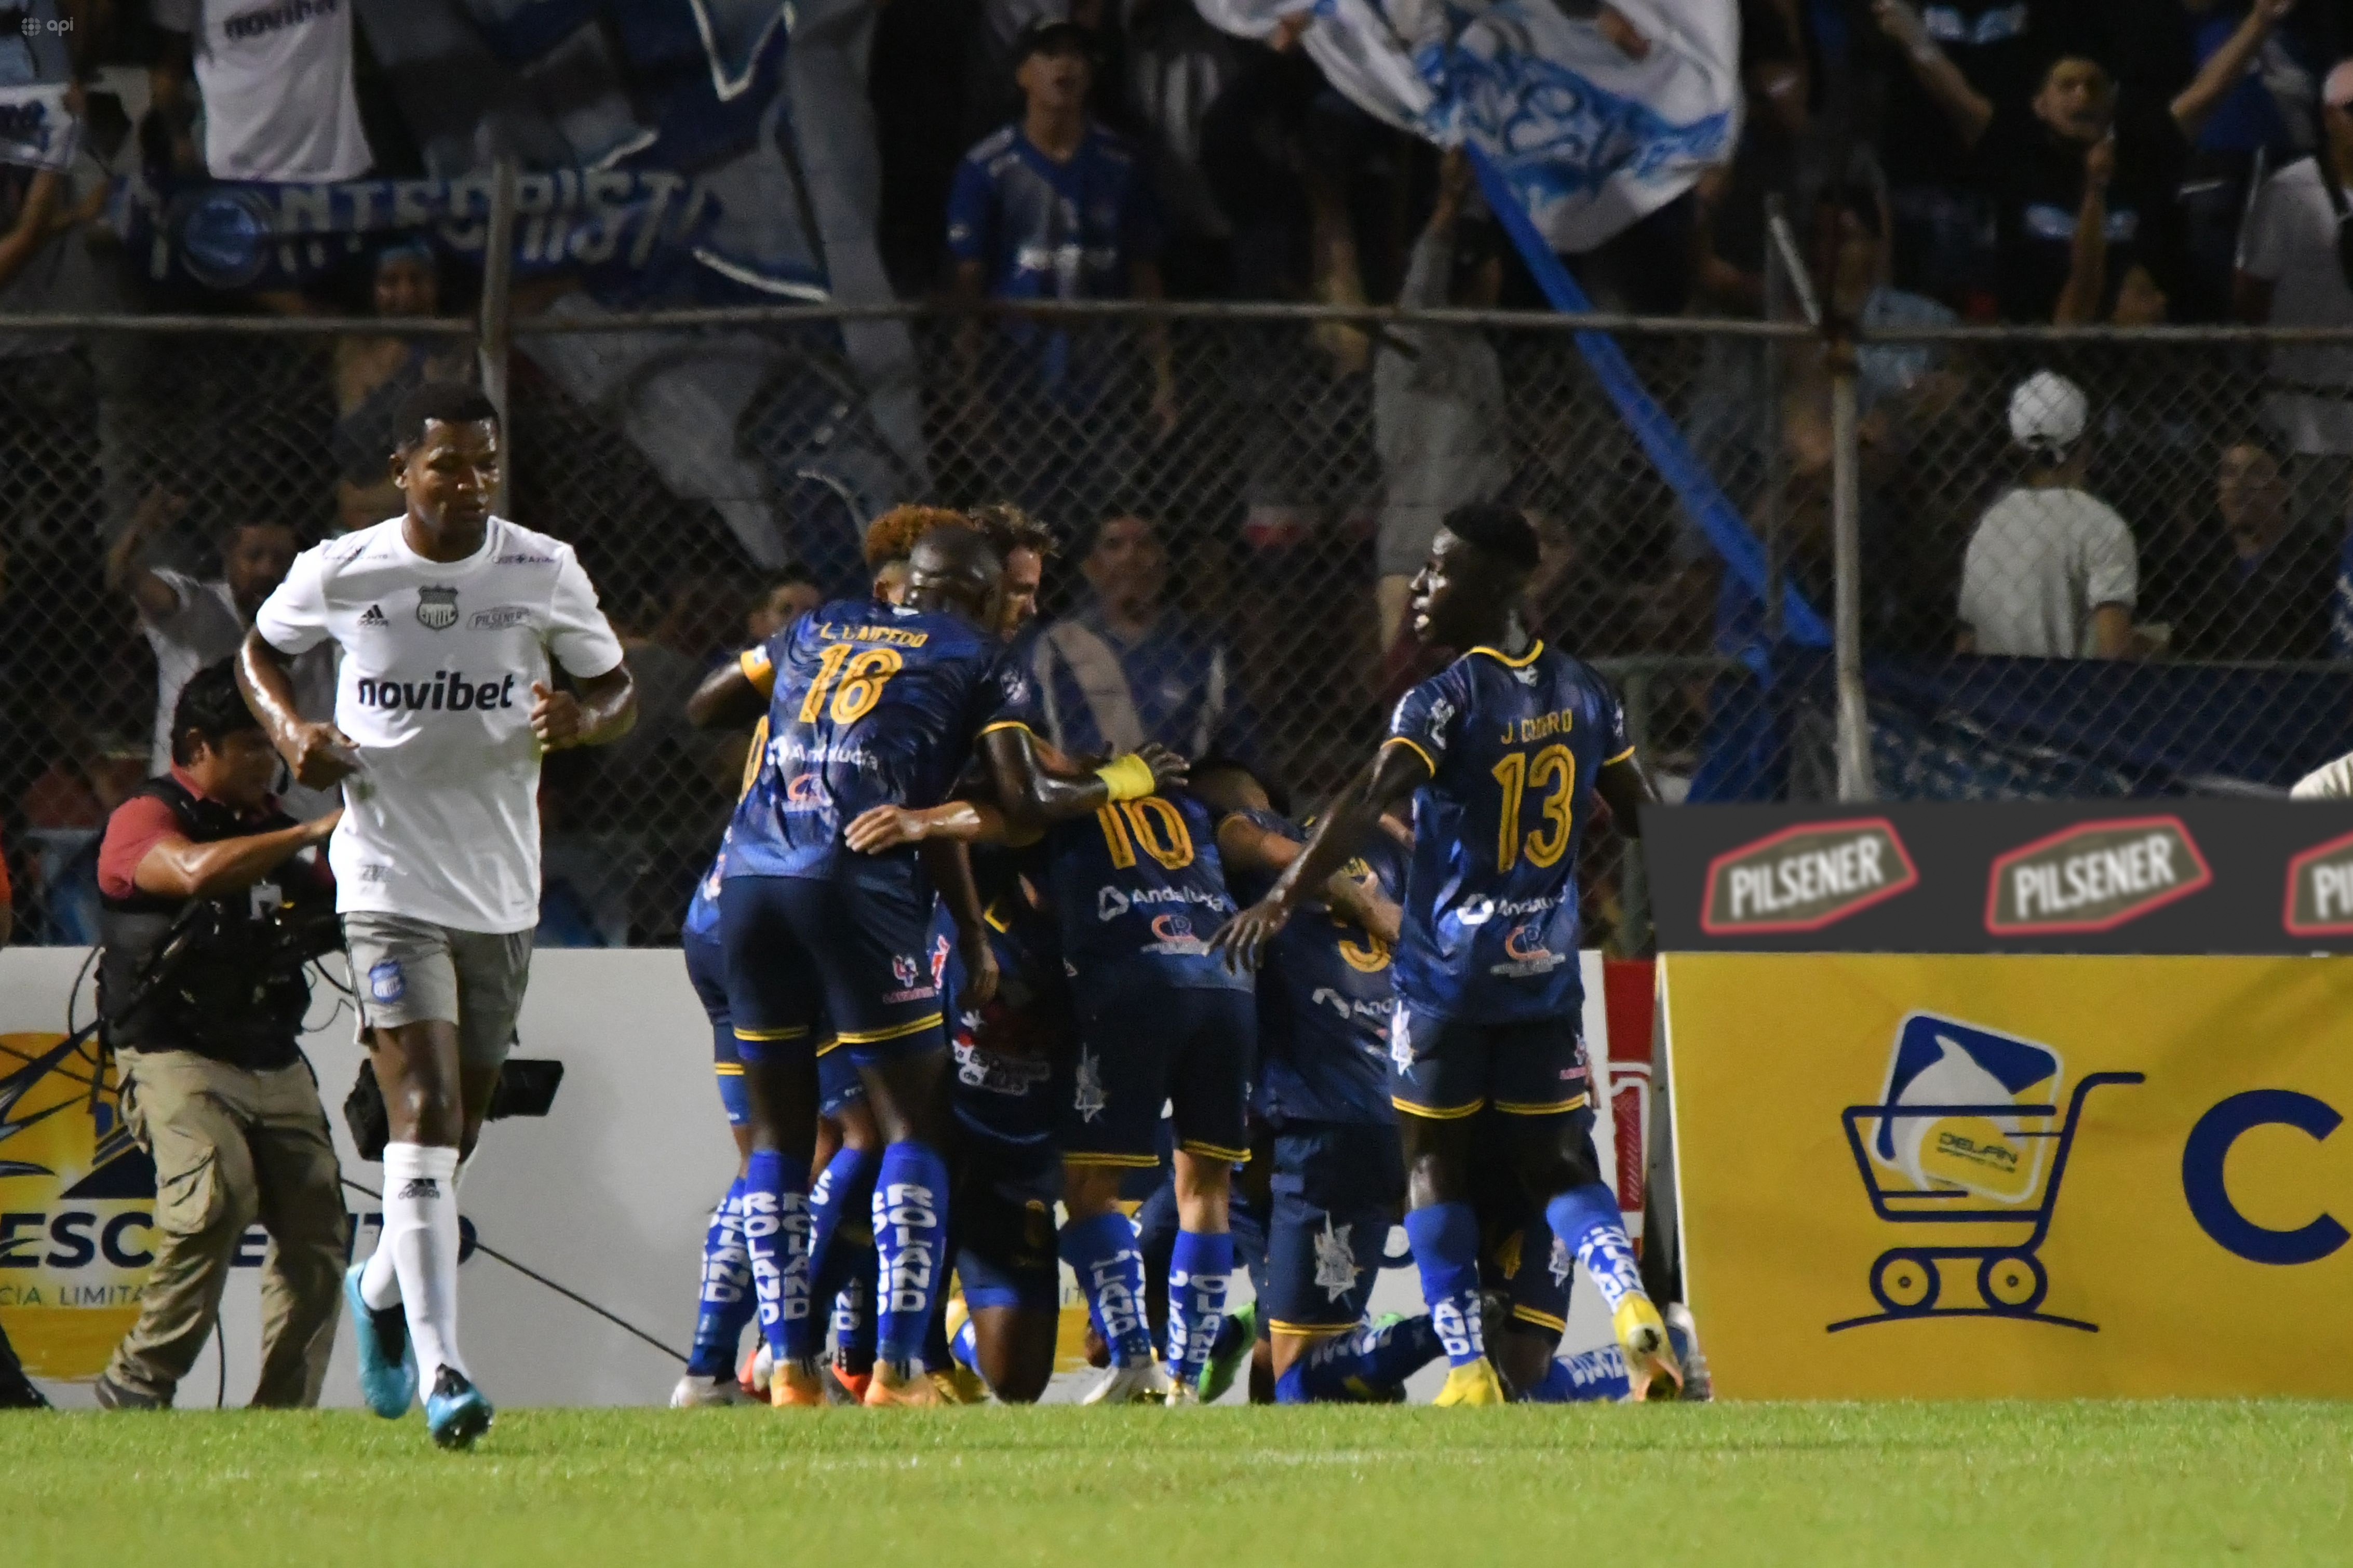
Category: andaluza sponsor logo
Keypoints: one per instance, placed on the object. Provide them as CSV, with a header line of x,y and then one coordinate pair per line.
x,y
1805,877
2094,876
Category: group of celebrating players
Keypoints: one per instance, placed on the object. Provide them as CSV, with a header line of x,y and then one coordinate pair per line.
x,y
956,977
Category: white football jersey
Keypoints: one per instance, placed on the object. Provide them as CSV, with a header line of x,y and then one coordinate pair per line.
x,y
441,822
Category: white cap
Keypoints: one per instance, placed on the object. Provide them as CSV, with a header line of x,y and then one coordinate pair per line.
x,y
2047,413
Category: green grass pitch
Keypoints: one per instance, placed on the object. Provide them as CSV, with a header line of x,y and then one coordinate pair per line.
x,y
1888,1485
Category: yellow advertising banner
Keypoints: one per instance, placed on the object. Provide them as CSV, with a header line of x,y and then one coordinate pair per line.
x,y
2015,1177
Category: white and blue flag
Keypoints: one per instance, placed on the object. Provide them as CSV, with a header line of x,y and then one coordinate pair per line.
x,y
1594,125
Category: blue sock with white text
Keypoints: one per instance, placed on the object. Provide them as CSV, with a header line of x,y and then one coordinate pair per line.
x,y
841,1245
726,1300
1594,1375
1445,1238
1198,1272
1103,1253
1586,1220
1323,1372
776,1236
1388,1353
910,1214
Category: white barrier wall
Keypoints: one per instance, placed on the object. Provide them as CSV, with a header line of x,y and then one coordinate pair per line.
x,y
607,1195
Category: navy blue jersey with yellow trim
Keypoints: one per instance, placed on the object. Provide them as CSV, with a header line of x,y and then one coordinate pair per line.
x,y
870,704
1008,1052
1139,883
1324,996
1514,747
702,909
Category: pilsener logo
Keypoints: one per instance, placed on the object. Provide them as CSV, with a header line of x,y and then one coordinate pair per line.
x,y
2320,890
2094,876
1805,877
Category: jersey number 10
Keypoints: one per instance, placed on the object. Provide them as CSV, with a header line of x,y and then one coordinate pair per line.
x,y
1151,822
1552,772
862,679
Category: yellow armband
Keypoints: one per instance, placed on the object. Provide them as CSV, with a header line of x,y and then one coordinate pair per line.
x,y
1127,778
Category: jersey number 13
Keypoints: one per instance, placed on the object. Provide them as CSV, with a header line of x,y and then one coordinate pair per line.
x,y
1551,775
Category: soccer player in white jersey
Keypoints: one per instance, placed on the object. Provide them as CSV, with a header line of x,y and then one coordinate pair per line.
x,y
450,621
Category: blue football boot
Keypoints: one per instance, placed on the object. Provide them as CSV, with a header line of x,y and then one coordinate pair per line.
x,y
387,1370
455,1412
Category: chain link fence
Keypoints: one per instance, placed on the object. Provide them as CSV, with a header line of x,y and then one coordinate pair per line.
x,y
1286,461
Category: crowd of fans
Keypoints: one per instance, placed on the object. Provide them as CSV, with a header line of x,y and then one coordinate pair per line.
x,y
1243,506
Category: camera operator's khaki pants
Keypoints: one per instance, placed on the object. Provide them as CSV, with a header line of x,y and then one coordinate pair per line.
x,y
232,1147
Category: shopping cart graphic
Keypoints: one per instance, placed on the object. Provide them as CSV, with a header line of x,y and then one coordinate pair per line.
x,y
1908,1282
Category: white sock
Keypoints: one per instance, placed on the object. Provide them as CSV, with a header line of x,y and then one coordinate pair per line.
x,y
420,1231
379,1281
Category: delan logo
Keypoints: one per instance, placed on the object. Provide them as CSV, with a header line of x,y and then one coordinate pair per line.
x,y
2094,876
76,1206
2320,890
1805,877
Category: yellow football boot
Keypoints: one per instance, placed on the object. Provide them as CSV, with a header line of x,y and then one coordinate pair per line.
x,y
1472,1382
1650,1356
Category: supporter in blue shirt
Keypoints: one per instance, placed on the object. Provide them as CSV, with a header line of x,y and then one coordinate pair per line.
x,y
1127,665
1055,207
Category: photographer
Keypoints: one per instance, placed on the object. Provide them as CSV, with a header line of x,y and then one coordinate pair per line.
x,y
209,920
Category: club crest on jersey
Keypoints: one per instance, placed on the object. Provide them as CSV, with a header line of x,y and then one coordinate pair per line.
x,y
436,608
1335,1262
908,972
1088,1098
1441,715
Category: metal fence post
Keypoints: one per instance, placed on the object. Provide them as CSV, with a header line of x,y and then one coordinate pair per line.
x,y
498,303
1634,935
1854,780
1774,502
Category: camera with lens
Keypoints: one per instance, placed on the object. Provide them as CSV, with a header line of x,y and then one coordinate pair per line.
x,y
226,978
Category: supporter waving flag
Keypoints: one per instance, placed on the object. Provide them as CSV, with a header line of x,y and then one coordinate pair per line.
x,y
1597,113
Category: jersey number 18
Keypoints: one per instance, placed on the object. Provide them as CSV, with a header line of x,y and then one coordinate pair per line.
x,y
862,679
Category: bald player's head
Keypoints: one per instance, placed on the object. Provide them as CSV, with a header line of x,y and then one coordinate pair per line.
x,y
955,568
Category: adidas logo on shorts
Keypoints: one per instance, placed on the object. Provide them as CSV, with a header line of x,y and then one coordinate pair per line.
x,y
421,1187
374,617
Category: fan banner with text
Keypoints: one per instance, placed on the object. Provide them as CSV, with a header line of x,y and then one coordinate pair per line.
x,y
2007,1177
